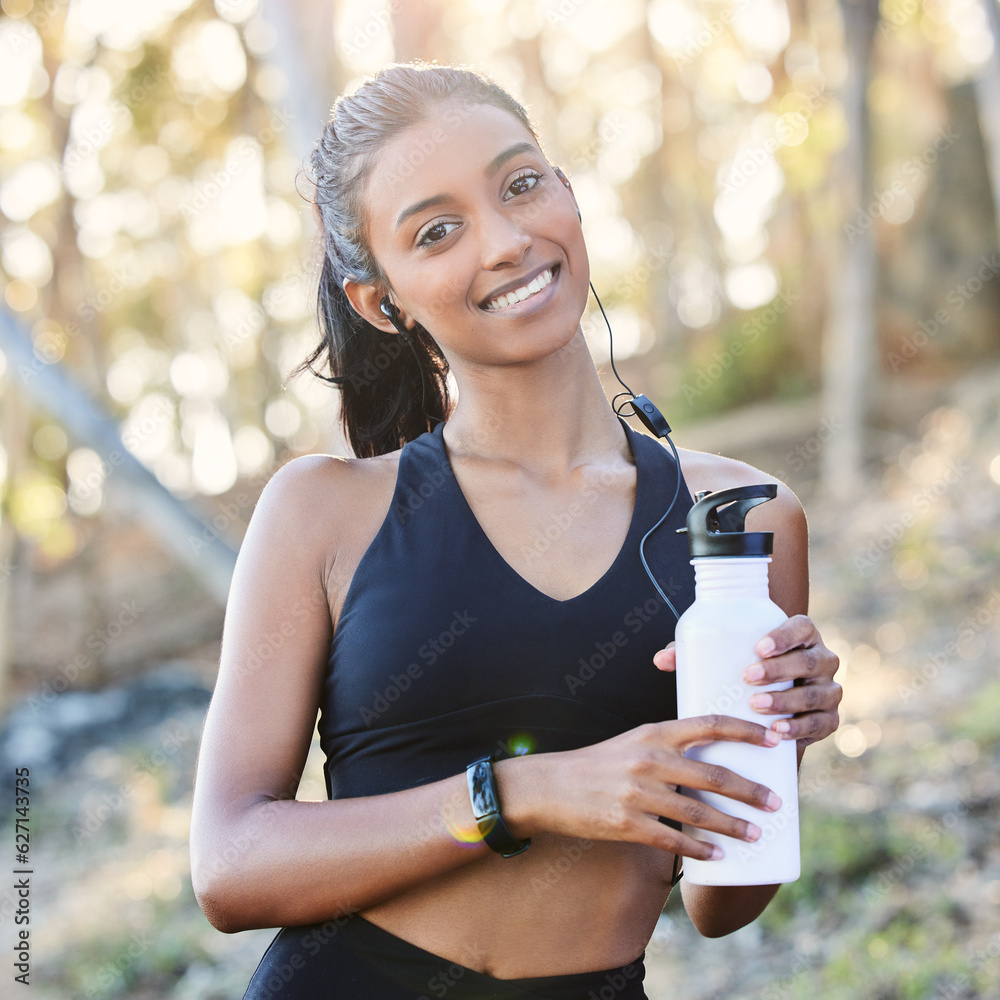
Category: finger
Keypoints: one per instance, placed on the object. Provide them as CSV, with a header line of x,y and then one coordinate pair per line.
x,y
666,659
649,799
682,734
794,700
720,780
798,630
806,662
810,727
668,839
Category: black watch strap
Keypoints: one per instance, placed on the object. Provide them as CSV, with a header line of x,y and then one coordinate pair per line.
x,y
486,808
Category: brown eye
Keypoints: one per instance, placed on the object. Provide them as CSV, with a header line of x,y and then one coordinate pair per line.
x,y
528,175
424,241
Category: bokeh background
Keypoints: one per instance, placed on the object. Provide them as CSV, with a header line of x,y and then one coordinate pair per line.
x,y
791,214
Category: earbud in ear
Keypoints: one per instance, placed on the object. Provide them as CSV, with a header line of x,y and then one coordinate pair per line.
x,y
392,312
565,181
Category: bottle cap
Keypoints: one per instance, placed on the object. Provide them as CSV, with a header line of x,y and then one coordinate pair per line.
x,y
715,522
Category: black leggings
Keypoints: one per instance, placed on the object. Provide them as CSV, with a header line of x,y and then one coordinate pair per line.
x,y
350,958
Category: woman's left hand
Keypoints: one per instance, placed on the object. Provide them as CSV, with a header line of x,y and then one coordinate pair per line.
x,y
793,651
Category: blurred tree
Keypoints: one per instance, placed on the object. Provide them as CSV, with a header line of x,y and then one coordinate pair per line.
x,y
850,358
987,86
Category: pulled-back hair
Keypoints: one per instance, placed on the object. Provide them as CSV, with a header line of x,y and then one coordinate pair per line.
x,y
382,381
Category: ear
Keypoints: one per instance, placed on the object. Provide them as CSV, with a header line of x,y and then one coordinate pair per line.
x,y
565,180
366,302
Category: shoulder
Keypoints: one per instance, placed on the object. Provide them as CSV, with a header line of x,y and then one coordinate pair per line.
x,y
318,501
789,574
704,471
320,479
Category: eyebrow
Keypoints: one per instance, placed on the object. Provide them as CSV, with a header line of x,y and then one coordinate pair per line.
x,y
491,168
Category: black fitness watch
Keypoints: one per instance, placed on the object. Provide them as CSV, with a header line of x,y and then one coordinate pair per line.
x,y
486,809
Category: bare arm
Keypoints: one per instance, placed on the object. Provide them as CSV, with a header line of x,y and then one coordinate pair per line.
x,y
719,910
259,857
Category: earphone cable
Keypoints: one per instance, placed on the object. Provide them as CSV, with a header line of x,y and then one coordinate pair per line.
x,y
677,461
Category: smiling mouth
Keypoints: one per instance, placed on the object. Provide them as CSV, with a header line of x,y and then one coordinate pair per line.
x,y
533,287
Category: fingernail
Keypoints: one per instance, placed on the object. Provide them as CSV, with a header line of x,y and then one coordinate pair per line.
x,y
716,853
771,738
765,647
753,831
761,701
754,672
782,726
773,802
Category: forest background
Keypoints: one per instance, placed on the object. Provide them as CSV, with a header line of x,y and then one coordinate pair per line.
x,y
791,214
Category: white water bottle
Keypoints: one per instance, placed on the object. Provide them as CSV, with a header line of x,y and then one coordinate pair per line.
x,y
715,639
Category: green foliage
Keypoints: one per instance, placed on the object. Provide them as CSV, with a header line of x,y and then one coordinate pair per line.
x,y
915,955
744,360
838,853
980,719
117,960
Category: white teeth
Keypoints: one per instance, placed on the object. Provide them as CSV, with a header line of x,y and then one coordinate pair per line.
x,y
533,286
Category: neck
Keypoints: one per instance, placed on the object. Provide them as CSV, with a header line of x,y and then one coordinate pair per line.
x,y
547,416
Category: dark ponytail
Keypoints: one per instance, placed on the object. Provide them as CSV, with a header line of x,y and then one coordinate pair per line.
x,y
393,389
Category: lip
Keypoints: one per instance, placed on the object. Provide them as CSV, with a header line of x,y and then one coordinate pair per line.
x,y
530,303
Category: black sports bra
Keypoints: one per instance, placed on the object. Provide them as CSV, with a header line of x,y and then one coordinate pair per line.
x,y
444,653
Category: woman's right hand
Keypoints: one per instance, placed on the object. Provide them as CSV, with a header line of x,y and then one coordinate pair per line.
x,y
617,789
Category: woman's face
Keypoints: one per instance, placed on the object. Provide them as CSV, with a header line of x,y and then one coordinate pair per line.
x,y
461,210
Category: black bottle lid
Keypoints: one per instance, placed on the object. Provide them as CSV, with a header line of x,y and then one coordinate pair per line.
x,y
715,522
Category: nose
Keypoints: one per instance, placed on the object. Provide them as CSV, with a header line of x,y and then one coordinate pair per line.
x,y
505,240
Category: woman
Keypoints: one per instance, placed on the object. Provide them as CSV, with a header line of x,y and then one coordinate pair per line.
x,y
454,594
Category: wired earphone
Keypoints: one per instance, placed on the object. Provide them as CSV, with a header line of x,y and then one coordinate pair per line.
x,y
642,406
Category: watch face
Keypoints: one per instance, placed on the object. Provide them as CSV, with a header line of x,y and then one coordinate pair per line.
x,y
481,790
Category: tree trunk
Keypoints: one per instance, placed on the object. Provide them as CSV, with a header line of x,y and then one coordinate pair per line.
x,y
50,386
987,88
14,440
850,358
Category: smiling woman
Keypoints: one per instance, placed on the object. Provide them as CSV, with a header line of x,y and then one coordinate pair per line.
x,y
465,605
